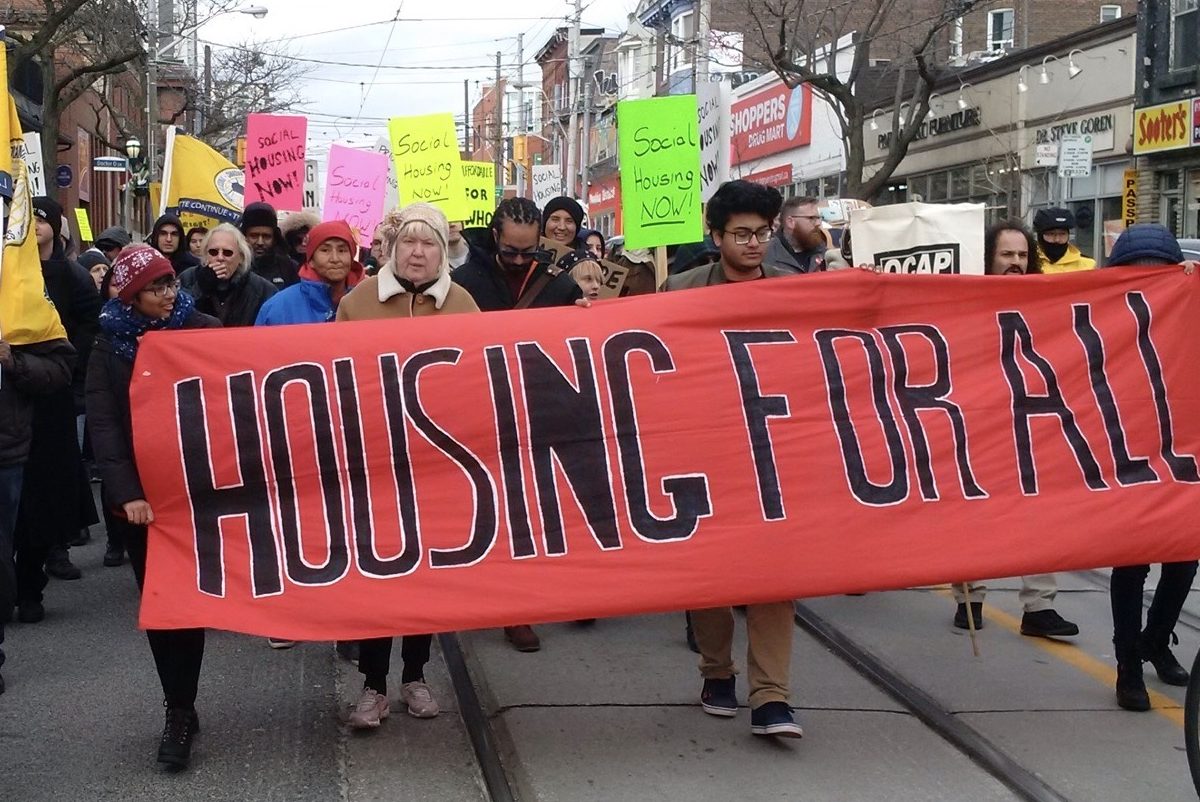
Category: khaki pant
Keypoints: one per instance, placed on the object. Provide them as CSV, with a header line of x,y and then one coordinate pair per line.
x,y
1037,592
769,654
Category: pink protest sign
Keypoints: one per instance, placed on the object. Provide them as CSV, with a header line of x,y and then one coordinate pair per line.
x,y
275,160
355,183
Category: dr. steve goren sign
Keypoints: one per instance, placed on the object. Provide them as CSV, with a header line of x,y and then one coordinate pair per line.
x,y
771,121
768,440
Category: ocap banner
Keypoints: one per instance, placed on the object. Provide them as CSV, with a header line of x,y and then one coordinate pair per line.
x,y
939,238
355,183
200,181
776,439
547,183
275,146
428,162
659,146
480,181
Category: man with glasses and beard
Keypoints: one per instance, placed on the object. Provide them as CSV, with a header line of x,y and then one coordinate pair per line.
x,y
516,274
799,246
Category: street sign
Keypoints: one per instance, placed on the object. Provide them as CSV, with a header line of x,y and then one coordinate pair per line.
x,y
1047,155
110,164
63,177
1075,156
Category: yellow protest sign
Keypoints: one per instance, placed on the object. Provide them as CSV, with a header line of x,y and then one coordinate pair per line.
x,y
480,180
428,163
85,226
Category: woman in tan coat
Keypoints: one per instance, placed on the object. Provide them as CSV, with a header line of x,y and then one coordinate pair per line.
x,y
413,282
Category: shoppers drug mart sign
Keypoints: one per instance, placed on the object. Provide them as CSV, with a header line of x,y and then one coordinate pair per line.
x,y
771,121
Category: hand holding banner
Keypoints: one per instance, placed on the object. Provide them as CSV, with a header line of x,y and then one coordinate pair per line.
x,y
275,160
428,163
660,186
355,183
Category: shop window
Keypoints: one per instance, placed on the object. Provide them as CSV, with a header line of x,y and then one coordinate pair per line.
x,y
939,187
1185,34
1000,26
960,183
1109,13
1191,225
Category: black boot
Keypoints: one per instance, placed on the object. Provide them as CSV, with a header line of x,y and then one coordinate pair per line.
x,y
1157,653
963,622
175,748
59,565
1131,688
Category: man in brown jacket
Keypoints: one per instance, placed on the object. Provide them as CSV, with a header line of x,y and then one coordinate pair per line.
x,y
739,217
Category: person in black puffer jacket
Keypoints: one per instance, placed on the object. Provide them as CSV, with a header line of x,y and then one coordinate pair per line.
x,y
147,298
167,238
224,286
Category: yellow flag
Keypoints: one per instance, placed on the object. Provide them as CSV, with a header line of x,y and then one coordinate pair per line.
x,y
26,314
200,182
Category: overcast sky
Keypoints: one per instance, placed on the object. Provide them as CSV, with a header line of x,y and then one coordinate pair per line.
x,y
437,53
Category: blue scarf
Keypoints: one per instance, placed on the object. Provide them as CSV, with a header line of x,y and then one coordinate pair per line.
x,y
125,326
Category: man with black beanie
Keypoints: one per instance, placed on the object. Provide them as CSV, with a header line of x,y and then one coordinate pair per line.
x,y
260,225
1059,254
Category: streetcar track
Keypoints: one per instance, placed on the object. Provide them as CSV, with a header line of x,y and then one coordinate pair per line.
x,y
949,726
477,722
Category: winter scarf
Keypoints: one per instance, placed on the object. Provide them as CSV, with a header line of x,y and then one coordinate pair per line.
x,y
125,326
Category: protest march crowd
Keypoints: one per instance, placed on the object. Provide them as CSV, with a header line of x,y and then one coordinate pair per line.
x,y
262,273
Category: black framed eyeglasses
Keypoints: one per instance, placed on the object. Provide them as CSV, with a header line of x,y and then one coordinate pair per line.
x,y
161,289
743,236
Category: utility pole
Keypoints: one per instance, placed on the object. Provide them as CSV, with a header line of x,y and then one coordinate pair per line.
x,y
498,136
703,27
585,143
466,116
207,103
152,93
520,175
569,176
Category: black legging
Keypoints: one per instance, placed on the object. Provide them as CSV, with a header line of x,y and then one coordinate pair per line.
x,y
1126,589
178,653
375,657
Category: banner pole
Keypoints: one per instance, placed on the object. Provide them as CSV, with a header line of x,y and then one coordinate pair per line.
x,y
660,267
970,621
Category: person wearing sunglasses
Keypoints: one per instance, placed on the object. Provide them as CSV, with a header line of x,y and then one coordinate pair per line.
x,y
223,285
148,298
800,244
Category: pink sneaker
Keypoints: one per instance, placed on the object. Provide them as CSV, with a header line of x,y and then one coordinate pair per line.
x,y
371,709
419,699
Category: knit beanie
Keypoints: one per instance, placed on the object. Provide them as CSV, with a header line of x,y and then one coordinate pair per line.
x,y
49,210
1053,219
91,258
333,229
259,214
563,204
433,217
135,268
1145,243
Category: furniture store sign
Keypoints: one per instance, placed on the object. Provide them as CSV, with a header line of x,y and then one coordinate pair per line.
x,y
938,126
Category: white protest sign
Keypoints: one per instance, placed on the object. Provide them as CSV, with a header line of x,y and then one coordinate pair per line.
x,y
935,238
312,184
713,99
547,183
32,156
392,197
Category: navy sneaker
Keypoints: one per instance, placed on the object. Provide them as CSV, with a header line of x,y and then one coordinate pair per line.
x,y
774,718
719,697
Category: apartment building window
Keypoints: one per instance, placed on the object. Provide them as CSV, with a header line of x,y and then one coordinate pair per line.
x,y
681,47
1185,34
1109,13
1000,27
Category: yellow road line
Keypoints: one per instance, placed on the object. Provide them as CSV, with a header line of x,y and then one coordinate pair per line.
x,y
1077,658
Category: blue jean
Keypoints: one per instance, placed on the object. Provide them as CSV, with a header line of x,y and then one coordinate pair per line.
x,y
10,498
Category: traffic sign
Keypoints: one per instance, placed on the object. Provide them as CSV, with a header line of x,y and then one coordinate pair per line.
x,y
109,164
1075,156
63,177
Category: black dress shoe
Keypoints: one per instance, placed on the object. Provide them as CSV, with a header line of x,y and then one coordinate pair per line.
x,y
1047,624
113,556
30,612
63,568
175,747
960,616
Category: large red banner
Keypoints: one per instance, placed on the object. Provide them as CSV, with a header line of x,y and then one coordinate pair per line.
x,y
795,437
